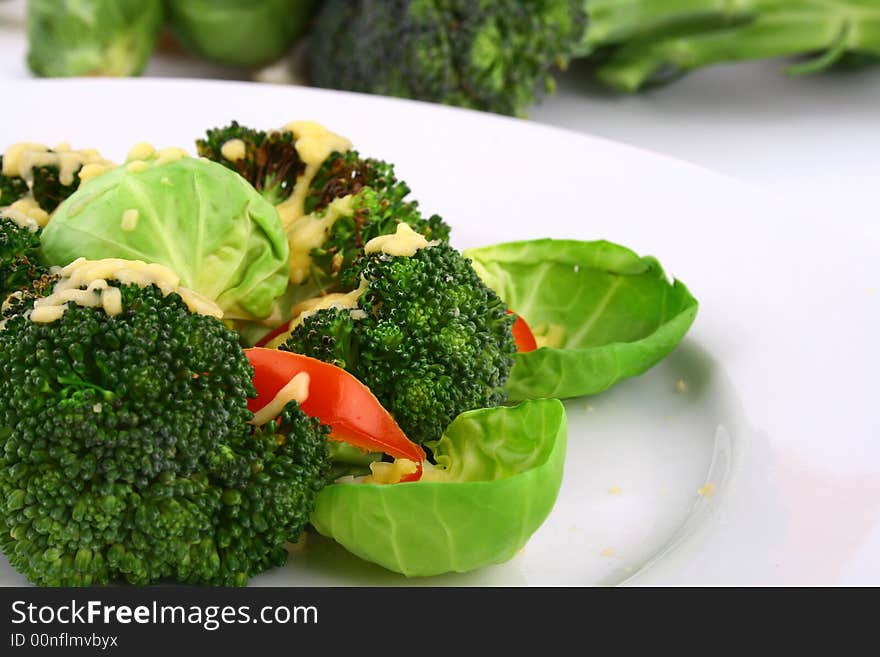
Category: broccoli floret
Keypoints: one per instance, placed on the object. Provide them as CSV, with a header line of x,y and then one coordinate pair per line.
x,y
22,299
379,201
483,54
329,335
20,260
48,190
270,161
380,204
12,188
45,187
428,337
127,453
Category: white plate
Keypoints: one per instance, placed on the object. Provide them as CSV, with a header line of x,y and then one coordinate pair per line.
x,y
769,406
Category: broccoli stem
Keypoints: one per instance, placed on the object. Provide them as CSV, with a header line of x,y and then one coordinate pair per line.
x,y
831,28
612,22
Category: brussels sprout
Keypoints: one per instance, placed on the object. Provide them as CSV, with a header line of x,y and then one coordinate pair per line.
x,y
91,37
197,217
239,32
600,313
503,470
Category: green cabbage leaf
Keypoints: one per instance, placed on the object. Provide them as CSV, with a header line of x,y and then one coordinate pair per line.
x,y
599,312
203,221
503,469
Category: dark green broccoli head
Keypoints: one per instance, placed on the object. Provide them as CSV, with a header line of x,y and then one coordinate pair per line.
x,y
47,188
270,161
12,188
347,173
484,54
328,335
431,342
380,204
127,454
20,260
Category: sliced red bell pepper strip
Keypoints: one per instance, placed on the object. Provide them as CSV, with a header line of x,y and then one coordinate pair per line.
x,y
336,398
522,335
274,333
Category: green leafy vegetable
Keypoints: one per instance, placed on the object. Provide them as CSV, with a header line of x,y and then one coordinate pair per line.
x,y
504,467
239,32
823,31
484,54
600,311
196,217
91,37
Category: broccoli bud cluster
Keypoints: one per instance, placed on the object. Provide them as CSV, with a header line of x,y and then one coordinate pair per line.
x,y
127,453
430,339
20,261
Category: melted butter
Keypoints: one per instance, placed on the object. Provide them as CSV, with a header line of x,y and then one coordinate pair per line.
x,y
309,232
404,242
314,144
297,389
84,282
233,150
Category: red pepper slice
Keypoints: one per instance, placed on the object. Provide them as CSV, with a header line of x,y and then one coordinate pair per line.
x,y
336,398
522,335
274,333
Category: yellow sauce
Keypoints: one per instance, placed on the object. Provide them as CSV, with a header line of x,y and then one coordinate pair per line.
x,y
390,473
21,159
129,220
84,282
27,213
141,151
548,334
314,144
404,242
233,150
297,389
309,232
307,308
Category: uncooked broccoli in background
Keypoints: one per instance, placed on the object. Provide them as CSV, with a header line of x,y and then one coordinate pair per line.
x,y
493,55
490,55
91,37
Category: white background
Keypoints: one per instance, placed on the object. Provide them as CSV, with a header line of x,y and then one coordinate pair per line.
x,y
815,140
